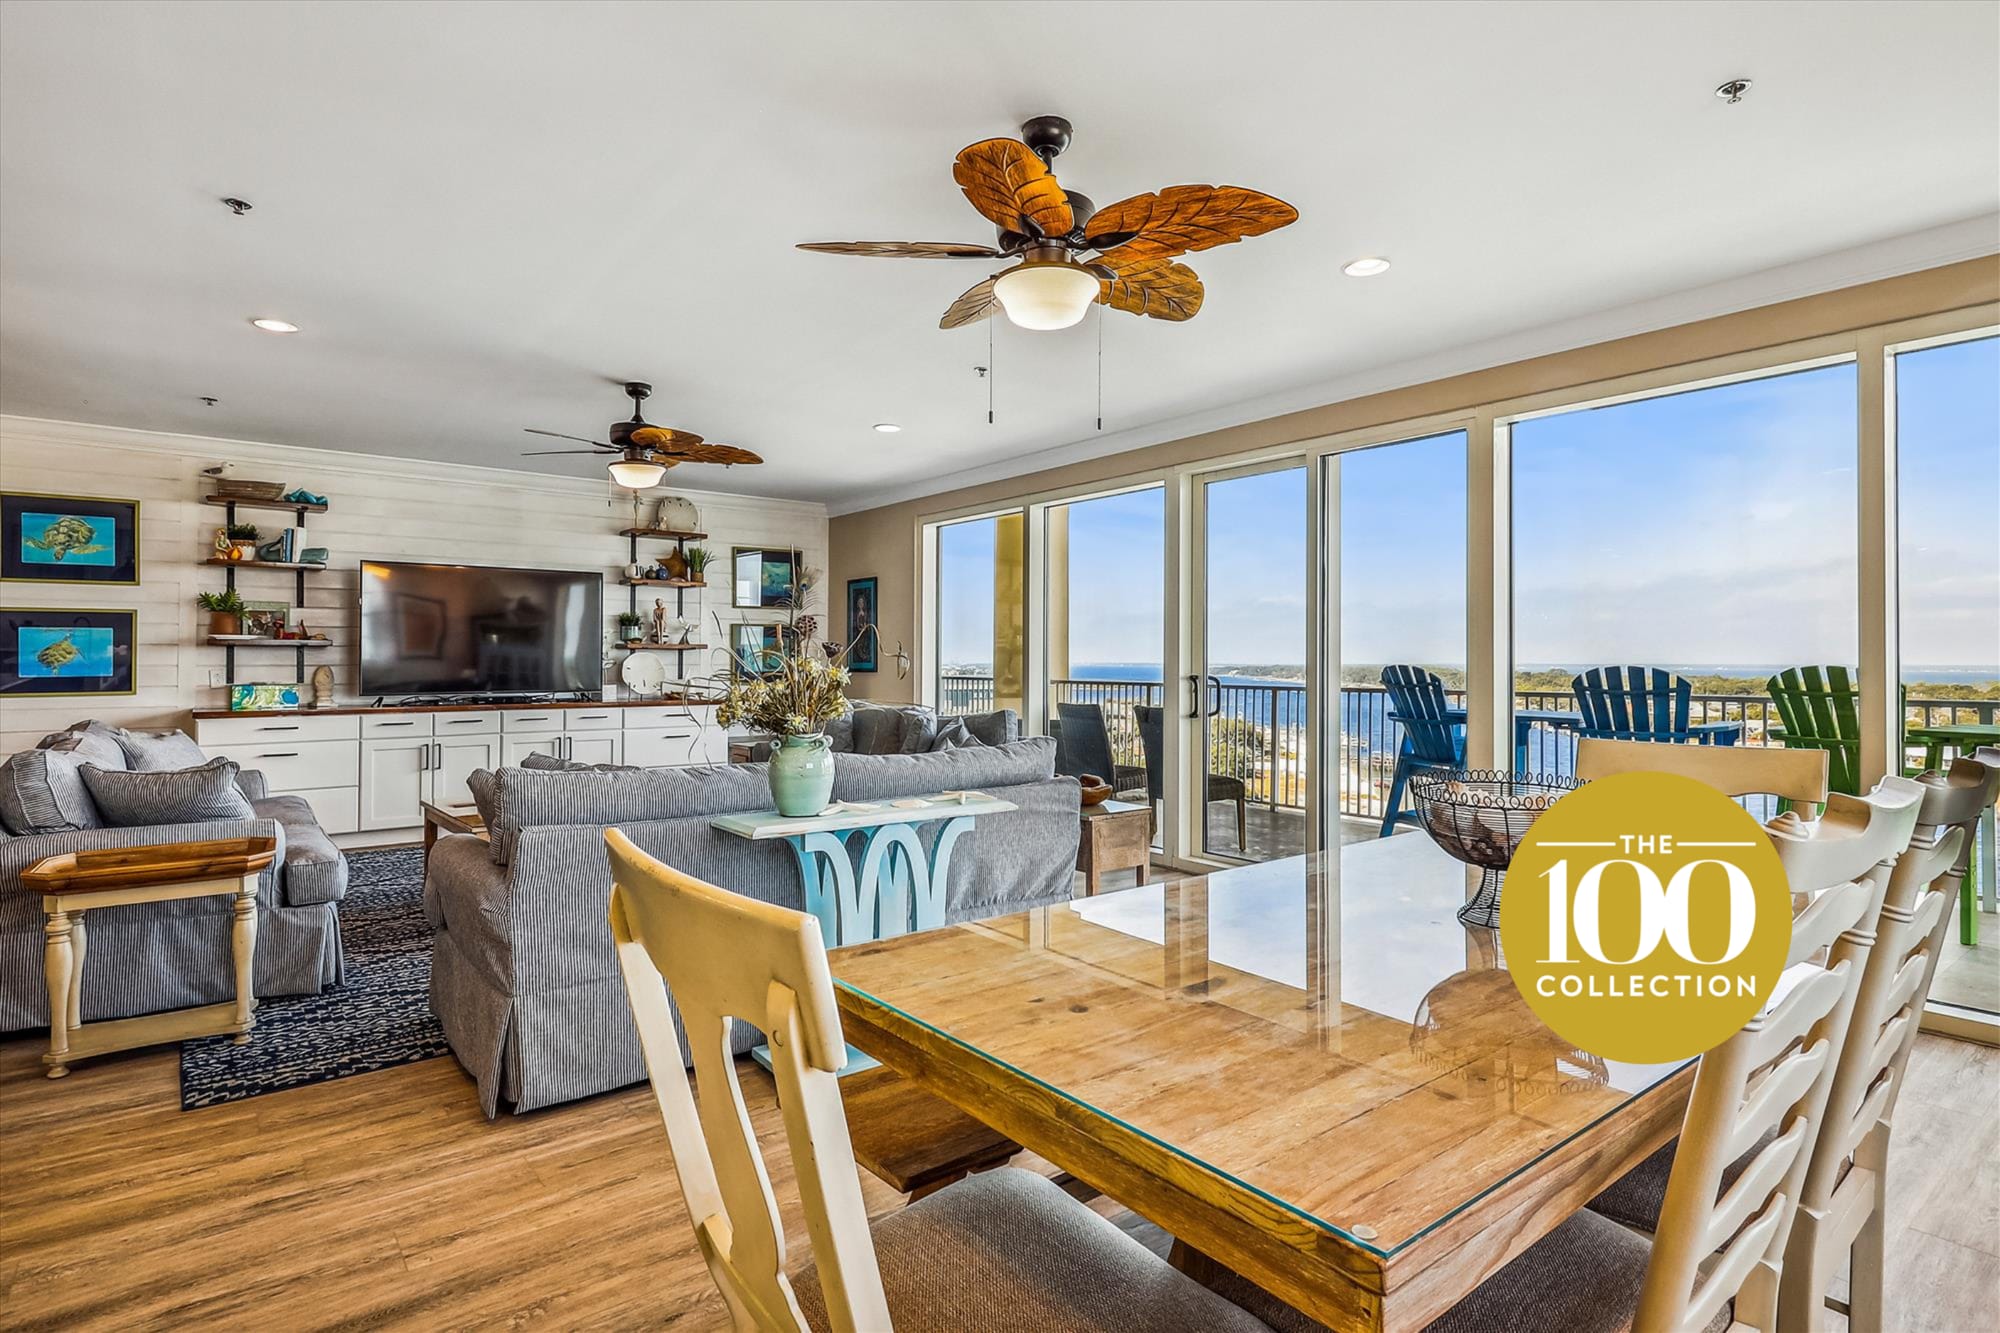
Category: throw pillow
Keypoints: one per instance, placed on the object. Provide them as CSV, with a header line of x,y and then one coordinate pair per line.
x,y
159,751
1000,727
170,796
953,735
919,727
556,764
90,741
42,791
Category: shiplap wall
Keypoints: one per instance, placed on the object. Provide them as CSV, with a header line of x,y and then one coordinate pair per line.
x,y
379,508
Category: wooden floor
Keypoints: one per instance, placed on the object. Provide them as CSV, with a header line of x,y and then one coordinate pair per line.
x,y
385,1200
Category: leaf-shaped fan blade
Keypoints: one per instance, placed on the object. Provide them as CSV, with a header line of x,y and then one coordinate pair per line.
x,y
1158,289
567,453
1012,187
725,454
558,435
1184,218
977,303
664,438
904,249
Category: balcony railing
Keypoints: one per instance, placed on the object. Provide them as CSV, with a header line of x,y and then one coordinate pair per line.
x,y
1257,731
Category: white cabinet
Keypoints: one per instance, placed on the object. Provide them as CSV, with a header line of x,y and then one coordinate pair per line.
x,y
593,747
516,748
455,758
395,780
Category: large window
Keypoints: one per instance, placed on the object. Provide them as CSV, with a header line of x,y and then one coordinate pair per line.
x,y
1709,532
1948,495
979,647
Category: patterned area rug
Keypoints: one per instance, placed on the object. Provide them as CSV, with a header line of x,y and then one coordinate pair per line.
x,y
378,1018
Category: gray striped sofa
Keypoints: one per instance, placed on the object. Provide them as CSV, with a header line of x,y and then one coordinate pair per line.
x,y
154,956
523,977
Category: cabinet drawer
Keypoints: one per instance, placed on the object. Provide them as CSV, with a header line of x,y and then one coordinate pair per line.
x,y
659,747
392,725
290,766
338,809
483,723
664,715
531,721
220,733
593,719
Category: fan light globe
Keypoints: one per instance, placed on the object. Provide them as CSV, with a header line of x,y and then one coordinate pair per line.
x,y
1046,296
636,475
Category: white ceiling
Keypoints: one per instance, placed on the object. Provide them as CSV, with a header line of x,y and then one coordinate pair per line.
x,y
485,216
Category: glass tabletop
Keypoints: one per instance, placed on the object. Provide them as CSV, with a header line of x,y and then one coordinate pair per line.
x,y
1321,1030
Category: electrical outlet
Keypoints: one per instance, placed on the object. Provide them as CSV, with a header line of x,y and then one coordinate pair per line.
x,y
218,677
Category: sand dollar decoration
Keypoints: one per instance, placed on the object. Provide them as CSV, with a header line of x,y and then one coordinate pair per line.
x,y
1646,918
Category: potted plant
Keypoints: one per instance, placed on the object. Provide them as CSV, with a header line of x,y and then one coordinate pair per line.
x,y
242,541
628,626
793,703
225,610
697,561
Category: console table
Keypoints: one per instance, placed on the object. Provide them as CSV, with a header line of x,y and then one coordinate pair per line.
x,y
76,882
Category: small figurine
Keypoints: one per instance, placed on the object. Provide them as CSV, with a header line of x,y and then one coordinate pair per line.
x,y
659,621
322,683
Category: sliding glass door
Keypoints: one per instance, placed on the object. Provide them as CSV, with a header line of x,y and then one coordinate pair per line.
x,y
1243,704
978,652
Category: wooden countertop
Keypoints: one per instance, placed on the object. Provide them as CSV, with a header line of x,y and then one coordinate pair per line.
x,y
205,714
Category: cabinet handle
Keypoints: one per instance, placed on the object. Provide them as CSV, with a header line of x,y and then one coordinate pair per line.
x,y
293,727
459,721
395,724
279,754
438,763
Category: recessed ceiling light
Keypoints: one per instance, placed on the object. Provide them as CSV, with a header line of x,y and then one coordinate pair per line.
x,y
887,427
1365,268
276,325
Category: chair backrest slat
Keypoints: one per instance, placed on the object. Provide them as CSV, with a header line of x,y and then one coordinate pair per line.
x,y
1774,1074
1632,703
1733,770
728,957
1817,706
1417,696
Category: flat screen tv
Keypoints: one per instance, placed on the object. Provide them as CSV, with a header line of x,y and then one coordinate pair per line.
x,y
474,629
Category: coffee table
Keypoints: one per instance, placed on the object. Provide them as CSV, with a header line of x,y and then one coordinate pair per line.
x,y
78,882
1115,835
451,819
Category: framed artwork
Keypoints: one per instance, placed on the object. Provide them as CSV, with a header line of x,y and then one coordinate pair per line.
x,y
68,539
864,651
66,652
759,577
754,650
266,618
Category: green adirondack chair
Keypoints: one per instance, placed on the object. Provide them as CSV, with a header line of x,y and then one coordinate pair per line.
x,y
1817,707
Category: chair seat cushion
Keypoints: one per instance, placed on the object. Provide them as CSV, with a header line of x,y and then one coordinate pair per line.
x,y
1635,1197
1008,1249
315,871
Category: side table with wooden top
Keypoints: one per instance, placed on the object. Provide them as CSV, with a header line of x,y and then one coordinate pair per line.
x,y
76,883
450,819
1115,835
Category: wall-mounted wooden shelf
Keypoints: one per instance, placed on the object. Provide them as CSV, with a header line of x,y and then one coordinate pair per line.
x,y
224,501
664,534
640,645
240,642
267,564
666,583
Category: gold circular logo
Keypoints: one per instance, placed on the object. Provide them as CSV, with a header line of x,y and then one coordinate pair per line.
x,y
1646,917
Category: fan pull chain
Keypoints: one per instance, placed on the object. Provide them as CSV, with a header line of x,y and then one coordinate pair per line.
x,y
989,370
1100,367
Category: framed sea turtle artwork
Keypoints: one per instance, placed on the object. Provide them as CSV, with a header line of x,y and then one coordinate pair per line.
x,y
66,652
68,539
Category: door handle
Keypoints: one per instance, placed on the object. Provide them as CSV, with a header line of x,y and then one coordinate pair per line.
x,y
1199,696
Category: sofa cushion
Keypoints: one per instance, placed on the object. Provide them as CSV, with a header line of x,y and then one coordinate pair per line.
x,y
919,730
526,798
42,791
999,727
175,796
315,871
159,751
858,777
876,730
554,764
952,735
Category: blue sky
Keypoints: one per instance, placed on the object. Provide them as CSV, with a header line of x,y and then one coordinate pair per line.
x,y
1710,528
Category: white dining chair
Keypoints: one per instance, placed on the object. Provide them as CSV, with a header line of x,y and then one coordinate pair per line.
x,y
1842,1208
1002,1249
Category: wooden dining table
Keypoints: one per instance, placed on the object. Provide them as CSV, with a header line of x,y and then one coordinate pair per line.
x,y
1307,1071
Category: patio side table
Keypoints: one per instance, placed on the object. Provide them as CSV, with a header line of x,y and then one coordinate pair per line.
x,y
1981,877
75,883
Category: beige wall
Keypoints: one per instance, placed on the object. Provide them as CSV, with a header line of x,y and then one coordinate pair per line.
x,y
384,508
884,542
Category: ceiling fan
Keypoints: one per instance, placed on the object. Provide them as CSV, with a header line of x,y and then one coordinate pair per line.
x,y
1071,252
645,451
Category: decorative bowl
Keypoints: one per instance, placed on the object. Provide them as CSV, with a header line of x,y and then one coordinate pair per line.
x,y
245,489
1480,817
1095,789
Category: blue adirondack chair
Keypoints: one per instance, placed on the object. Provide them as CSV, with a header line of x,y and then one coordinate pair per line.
x,y
1430,740
1642,704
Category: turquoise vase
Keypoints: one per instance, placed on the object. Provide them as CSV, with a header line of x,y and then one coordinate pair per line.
x,y
801,771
